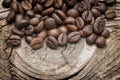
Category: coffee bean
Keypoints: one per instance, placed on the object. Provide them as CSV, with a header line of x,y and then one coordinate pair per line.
x,y
102,7
100,42
34,21
17,32
42,34
92,1
53,32
41,1
15,40
105,33
110,1
48,11
63,29
18,18
72,27
10,17
30,13
44,18
87,30
57,19
62,39
38,8
6,3
39,27
71,2
28,39
96,12
74,37
26,5
22,24
36,43
87,16
13,6
61,14
49,3
58,3
29,30
69,20
99,25
50,23
91,39
64,8
79,22
20,9
38,16
73,13
110,14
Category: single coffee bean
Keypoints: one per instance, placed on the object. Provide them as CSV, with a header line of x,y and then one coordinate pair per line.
x,y
36,43
87,30
79,22
22,24
100,42
92,1
69,20
42,34
91,39
20,9
49,3
48,11
53,32
26,5
34,21
38,16
6,3
38,8
44,18
71,2
57,19
102,7
51,42
28,39
13,6
62,39
73,13
17,32
39,27
15,40
110,14
63,29
29,30
110,1
61,14
10,17
96,12
99,25
105,33
72,27
30,13
87,16
74,37
50,23
58,3
64,8
41,1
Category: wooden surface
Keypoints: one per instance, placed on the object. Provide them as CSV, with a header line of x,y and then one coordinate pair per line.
x,y
74,61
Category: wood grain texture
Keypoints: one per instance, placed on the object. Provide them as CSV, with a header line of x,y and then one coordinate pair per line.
x,y
72,62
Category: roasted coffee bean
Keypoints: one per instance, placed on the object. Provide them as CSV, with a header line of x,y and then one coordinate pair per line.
x,y
10,17
74,37
39,27
53,32
49,3
110,14
17,32
38,8
99,25
48,11
110,1
30,13
22,24
42,34
102,7
61,14
58,3
79,22
96,12
26,5
51,42
15,40
62,39
57,19
91,39
18,18
6,3
73,13
28,39
50,23
63,29
64,8
87,30
69,20
13,6
72,27
34,21
44,18
20,9
87,16
29,30
71,2
105,33
36,43
38,16
92,1
100,42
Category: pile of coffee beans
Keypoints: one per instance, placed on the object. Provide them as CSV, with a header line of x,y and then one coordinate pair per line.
x,y
58,22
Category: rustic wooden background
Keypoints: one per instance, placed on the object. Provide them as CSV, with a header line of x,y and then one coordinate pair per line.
x,y
104,64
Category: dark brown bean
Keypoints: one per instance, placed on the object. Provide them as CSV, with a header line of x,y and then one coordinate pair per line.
x,y
29,30
87,30
42,34
73,13
14,6
48,11
79,22
72,27
30,13
105,33
50,23
28,39
17,32
39,27
100,42
71,2
69,20
22,24
53,32
58,3
10,17
62,39
26,5
15,40
63,29
61,14
110,14
38,8
6,3
34,21
49,3
91,39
